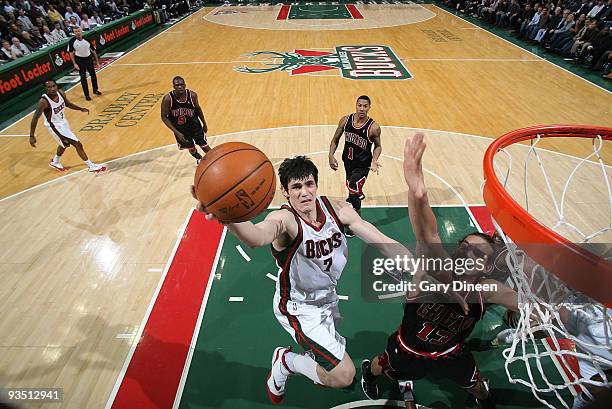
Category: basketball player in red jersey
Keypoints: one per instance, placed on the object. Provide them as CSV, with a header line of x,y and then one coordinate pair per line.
x,y
431,338
361,133
181,112
53,104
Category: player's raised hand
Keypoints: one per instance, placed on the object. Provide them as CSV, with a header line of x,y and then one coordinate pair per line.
x,y
413,155
33,141
333,163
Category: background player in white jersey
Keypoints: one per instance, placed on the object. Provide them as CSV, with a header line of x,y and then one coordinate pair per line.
x,y
307,241
53,104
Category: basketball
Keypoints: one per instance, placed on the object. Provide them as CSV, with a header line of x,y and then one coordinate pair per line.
x,y
235,181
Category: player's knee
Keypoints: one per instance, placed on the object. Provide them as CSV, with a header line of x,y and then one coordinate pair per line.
x,y
345,377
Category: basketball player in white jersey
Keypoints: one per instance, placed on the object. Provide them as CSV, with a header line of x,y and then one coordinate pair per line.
x,y
308,242
53,104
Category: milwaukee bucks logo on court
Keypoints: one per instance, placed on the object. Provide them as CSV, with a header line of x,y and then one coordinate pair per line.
x,y
356,62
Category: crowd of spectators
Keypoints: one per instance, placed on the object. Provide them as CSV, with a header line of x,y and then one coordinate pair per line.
x,y
578,30
28,25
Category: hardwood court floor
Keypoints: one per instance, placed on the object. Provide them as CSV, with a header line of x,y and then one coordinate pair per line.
x,y
81,256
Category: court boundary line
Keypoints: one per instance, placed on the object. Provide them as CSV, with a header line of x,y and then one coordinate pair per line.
x,y
441,179
523,49
434,174
261,61
196,330
335,26
279,128
108,65
135,341
378,402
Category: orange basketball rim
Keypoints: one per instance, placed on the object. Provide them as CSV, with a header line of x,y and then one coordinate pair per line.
x,y
580,269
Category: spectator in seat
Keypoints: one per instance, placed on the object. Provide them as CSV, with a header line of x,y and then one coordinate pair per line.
x,y
18,49
8,9
6,53
30,42
49,37
25,20
69,13
37,37
71,24
59,32
55,16
524,16
563,42
96,19
85,25
583,40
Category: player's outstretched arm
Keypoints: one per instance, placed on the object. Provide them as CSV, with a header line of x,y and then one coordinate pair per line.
x,y
333,145
504,295
367,232
272,228
42,105
265,232
422,217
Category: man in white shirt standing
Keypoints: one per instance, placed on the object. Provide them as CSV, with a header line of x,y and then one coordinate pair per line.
x,y
81,52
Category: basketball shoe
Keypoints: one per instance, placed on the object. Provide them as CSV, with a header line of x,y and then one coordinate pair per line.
x,y
277,378
487,403
368,380
57,166
406,388
96,168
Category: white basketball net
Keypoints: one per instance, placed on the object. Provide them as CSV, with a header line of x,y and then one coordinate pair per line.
x,y
537,357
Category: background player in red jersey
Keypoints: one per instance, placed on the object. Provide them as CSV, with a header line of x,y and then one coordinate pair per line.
x,y
431,338
181,112
361,133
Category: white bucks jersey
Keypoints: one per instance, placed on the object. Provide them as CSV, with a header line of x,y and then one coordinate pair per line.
x,y
310,267
56,113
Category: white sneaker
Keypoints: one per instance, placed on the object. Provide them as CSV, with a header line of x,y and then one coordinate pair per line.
x,y
57,166
406,388
277,378
96,168
505,336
